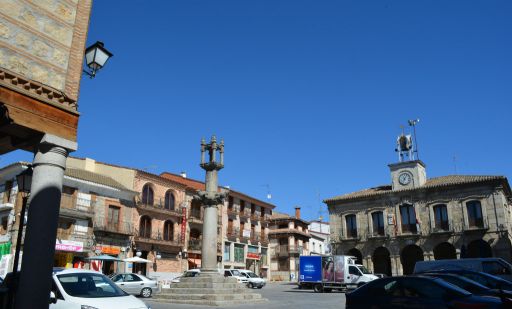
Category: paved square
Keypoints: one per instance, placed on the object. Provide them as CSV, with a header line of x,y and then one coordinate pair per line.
x,y
279,295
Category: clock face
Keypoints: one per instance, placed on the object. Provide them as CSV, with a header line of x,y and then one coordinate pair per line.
x,y
404,178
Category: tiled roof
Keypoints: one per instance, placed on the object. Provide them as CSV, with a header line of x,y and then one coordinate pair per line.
x,y
278,216
94,177
438,182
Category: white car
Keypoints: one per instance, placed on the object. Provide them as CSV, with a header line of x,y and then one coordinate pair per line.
x,y
136,284
253,280
86,289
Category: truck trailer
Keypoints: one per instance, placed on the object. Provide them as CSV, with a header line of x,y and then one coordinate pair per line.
x,y
326,273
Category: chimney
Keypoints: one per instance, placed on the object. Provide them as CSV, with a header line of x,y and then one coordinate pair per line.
x,y
297,212
183,174
89,165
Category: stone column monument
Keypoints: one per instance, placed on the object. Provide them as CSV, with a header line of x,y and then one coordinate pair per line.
x,y
211,199
210,287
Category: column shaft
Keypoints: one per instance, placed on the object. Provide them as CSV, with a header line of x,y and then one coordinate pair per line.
x,y
209,245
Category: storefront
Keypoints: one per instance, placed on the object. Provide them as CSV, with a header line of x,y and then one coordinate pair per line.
x,y
109,267
69,254
253,259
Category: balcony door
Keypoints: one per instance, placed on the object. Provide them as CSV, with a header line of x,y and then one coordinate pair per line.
x,y
113,217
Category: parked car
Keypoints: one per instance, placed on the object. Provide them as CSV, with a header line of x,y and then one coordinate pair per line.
x,y
253,280
487,280
418,292
136,284
469,285
79,288
493,266
236,273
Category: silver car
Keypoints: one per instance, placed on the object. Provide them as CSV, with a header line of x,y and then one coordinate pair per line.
x,y
136,284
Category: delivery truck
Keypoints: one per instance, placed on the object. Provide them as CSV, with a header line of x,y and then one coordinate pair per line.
x,y
326,273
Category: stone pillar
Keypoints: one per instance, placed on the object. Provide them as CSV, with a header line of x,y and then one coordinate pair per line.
x,y
43,216
209,246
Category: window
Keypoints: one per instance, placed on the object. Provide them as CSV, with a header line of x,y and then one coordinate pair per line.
x,y
169,200
113,217
227,252
253,209
354,271
408,219
195,209
230,203
4,221
378,223
475,218
239,254
351,226
131,278
145,227
147,195
242,206
168,230
230,227
441,217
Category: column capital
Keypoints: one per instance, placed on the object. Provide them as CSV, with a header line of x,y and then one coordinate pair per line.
x,y
51,139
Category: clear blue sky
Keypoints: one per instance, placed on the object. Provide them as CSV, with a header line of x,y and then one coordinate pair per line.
x,y
308,95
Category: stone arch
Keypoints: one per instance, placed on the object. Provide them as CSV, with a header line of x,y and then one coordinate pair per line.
x,y
170,200
355,252
502,249
409,256
381,261
478,248
148,194
444,251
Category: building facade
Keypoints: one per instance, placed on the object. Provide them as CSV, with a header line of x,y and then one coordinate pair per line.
x,y
389,228
320,242
289,238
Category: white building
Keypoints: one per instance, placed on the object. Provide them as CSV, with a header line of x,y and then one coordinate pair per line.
x,y
319,244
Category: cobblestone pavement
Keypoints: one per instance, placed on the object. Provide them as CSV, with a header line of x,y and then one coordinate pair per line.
x,y
279,295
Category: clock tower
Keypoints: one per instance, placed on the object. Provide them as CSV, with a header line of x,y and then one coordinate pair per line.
x,y
408,174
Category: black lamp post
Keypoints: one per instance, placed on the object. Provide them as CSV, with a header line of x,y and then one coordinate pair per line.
x,y
96,56
24,180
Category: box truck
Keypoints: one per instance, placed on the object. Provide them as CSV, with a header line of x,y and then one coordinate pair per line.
x,y
325,273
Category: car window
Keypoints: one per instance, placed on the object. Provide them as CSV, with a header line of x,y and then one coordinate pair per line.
x,y
131,278
353,271
227,273
422,288
117,278
88,285
495,268
56,291
235,272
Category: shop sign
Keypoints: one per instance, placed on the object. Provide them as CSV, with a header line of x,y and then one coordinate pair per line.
x,y
114,250
69,245
183,225
255,256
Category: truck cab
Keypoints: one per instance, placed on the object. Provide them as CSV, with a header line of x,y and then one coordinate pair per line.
x,y
359,275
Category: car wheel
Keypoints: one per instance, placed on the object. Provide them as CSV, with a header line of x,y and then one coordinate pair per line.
x,y
318,288
146,292
260,287
250,285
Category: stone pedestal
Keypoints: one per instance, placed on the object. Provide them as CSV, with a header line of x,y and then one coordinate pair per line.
x,y
210,289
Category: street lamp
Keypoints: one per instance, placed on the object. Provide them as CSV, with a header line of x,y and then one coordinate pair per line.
x,y
24,180
95,57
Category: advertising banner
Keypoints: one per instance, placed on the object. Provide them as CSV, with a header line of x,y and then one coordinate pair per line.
x,y
328,268
310,269
68,245
339,268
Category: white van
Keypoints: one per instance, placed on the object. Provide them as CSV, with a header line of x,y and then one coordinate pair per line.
x,y
253,280
493,266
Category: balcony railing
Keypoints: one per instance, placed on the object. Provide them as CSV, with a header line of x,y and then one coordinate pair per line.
x,y
255,217
122,228
244,215
158,238
232,234
72,206
233,212
196,245
73,235
284,250
159,207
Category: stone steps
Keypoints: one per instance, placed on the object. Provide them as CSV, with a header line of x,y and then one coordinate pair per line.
x,y
207,285
198,290
209,302
213,297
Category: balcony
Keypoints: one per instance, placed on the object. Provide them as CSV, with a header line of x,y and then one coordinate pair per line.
x,y
244,215
75,208
120,228
232,234
379,234
195,216
255,217
264,241
195,246
232,212
287,231
158,208
255,239
286,250
69,234
149,240
477,225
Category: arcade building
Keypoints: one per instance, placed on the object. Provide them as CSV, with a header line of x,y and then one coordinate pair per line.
x,y
391,227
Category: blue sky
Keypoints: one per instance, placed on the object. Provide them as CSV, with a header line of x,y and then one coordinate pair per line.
x,y
308,95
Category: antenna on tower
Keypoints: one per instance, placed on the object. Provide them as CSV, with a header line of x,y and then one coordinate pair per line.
x,y
413,123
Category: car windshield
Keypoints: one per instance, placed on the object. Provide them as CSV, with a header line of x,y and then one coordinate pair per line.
x,y
364,270
251,275
89,285
190,274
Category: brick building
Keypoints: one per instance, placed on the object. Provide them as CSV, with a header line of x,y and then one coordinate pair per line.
x,y
414,218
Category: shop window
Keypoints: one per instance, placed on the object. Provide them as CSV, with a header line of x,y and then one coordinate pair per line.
x,y
239,254
147,195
